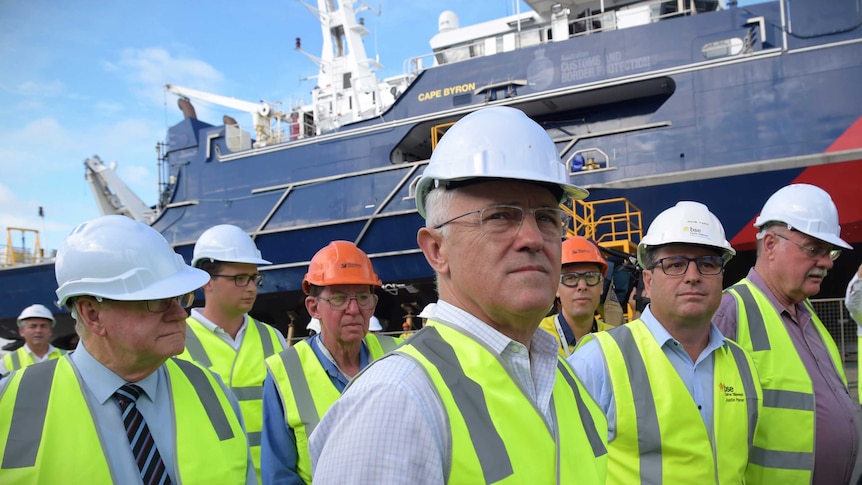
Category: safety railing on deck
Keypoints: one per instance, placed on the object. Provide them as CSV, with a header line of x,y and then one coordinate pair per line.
x,y
613,223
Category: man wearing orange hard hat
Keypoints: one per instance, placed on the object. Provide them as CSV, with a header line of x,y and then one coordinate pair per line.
x,y
304,380
579,292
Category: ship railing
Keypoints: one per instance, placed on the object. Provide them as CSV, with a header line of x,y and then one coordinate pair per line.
x,y
583,23
615,223
22,254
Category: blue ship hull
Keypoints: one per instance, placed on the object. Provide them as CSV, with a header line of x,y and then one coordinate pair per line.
x,y
662,122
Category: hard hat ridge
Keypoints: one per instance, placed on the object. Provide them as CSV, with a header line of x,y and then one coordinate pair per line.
x,y
36,311
117,258
804,208
340,263
578,249
496,143
685,223
228,244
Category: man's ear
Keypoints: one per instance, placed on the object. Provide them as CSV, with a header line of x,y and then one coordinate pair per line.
x,y
311,304
433,246
90,313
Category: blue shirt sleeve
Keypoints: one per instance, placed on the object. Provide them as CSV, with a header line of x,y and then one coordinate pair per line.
x,y
278,453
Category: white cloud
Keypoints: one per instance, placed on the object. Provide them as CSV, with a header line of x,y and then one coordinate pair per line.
x,y
147,71
40,89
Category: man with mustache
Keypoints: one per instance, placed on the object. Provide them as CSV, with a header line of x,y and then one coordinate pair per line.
x,y
808,431
682,401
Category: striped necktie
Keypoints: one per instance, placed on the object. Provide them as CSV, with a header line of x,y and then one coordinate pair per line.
x,y
143,447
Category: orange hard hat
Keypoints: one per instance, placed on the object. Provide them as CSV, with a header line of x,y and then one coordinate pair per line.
x,y
578,249
340,263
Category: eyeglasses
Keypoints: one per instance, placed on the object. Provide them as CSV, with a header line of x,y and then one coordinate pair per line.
x,y
591,278
242,280
678,265
813,252
340,301
162,305
507,220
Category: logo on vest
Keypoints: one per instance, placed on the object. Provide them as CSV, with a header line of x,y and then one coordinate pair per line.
x,y
730,393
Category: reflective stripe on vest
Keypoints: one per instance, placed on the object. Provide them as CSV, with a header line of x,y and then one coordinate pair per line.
x,y
497,433
651,396
595,439
238,368
28,417
493,457
35,427
208,398
307,392
20,358
792,448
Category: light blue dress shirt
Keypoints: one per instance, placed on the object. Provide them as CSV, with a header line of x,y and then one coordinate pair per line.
x,y
100,383
390,427
590,366
278,453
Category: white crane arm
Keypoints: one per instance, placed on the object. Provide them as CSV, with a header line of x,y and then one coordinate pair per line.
x,y
262,109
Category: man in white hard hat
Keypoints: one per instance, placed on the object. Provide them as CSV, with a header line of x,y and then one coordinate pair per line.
x,y
35,325
119,409
305,379
222,336
682,401
809,420
479,395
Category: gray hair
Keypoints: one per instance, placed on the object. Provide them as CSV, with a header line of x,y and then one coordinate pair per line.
x,y
437,204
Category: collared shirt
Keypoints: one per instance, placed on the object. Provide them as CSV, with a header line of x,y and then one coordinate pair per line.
x,y
390,427
236,343
278,452
36,358
836,441
591,367
100,383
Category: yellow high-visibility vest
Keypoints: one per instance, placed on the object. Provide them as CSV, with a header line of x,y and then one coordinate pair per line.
x,y
53,433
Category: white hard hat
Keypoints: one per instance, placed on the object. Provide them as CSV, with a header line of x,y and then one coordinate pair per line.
x,y
499,143
804,208
118,258
374,325
685,223
228,244
314,324
428,311
36,311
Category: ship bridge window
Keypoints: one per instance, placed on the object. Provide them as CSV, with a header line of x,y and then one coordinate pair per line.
x,y
723,48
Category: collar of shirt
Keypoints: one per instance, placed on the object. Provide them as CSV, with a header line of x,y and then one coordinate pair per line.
x,y
542,342
103,382
212,327
328,362
533,369
666,340
803,316
27,349
567,331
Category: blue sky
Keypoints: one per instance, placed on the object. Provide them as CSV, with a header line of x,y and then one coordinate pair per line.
x,y
86,78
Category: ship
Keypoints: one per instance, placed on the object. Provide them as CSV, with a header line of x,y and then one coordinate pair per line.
x,y
650,102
